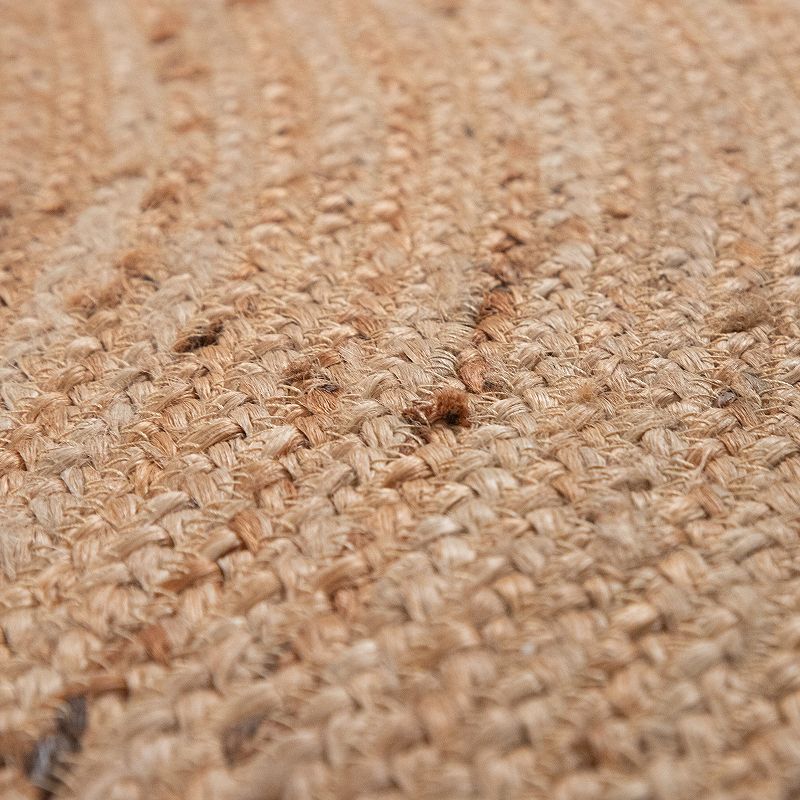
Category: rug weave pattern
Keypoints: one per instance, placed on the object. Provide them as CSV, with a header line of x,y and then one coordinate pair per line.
x,y
398,399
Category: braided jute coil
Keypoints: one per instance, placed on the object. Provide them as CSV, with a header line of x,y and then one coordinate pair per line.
x,y
399,399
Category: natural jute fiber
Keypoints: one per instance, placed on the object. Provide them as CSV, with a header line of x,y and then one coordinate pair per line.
x,y
398,399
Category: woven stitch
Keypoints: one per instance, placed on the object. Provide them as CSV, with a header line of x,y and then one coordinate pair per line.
x,y
398,399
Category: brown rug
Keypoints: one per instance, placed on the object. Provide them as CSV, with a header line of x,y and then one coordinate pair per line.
x,y
398,399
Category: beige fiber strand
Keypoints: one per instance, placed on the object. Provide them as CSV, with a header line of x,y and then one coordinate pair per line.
x,y
399,400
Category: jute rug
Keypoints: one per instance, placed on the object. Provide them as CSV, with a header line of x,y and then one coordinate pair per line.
x,y
399,399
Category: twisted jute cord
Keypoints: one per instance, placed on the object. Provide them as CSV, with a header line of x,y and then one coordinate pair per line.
x,y
398,399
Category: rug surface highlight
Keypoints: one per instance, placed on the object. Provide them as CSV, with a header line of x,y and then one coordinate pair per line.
x,y
398,399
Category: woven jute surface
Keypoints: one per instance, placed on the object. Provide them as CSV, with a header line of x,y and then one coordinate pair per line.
x,y
398,399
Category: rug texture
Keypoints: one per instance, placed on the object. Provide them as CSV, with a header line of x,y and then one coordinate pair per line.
x,y
398,399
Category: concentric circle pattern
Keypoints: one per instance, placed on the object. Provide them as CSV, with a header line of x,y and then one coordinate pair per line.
x,y
399,399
